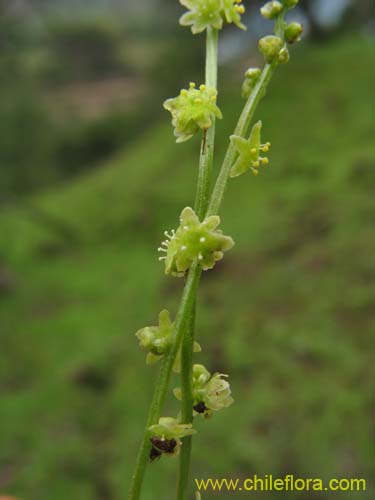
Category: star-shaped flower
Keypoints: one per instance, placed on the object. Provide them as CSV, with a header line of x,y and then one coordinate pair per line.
x,y
205,13
249,152
201,14
194,240
192,110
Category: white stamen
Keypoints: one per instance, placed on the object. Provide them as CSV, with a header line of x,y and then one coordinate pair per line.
x,y
200,257
186,228
184,247
163,257
202,240
160,249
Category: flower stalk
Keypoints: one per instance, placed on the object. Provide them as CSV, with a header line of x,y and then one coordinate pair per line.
x,y
197,244
200,206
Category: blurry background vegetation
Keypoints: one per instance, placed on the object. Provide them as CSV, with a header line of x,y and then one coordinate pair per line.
x,y
90,176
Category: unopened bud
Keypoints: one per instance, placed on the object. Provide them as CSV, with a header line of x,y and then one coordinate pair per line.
x,y
290,3
252,76
271,9
293,32
283,56
270,46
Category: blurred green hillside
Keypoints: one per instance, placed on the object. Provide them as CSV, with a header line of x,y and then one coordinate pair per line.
x,y
287,313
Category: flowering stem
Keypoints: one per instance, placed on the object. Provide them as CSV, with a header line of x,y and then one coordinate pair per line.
x,y
207,147
201,203
240,130
181,324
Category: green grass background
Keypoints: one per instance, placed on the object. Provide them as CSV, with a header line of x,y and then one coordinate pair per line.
x,y
287,314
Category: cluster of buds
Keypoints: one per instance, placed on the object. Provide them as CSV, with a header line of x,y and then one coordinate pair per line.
x,y
194,240
156,339
192,110
252,76
210,392
273,46
205,13
273,49
166,437
249,151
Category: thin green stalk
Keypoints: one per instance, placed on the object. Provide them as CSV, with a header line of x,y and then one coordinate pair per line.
x,y
186,309
186,404
201,203
207,146
241,129
183,319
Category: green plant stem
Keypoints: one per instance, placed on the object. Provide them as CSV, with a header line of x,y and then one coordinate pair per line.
x,y
207,146
181,324
186,308
240,130
201,203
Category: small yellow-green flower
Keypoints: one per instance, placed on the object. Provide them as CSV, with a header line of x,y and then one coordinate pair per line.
x,y
249,152
156,339
194,240
166,437
193,110
210,392
205,13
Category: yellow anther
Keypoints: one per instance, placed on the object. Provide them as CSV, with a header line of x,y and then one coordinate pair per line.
x,y
198,101
255,172
192,85
265,161
237,1
240,9
184,92
256,164
202,88
213,98
265,148
253,151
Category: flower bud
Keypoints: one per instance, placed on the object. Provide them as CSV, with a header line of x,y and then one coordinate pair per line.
x,y
249,151
270,10
290,3
192,110
283,56
252,76
293,32
270,47
156,339
194,240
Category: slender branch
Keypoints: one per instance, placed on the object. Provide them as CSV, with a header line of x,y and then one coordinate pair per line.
x,y
207,147
241,129
183,319
201,203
